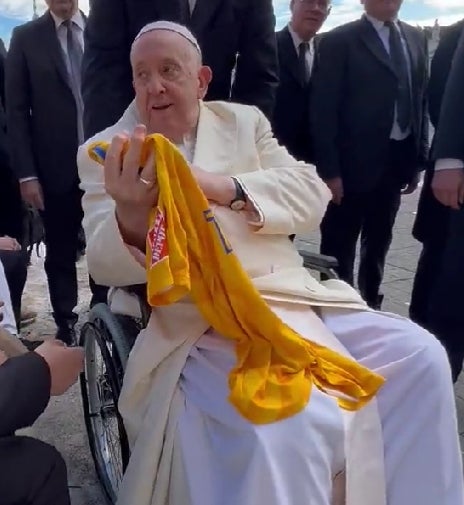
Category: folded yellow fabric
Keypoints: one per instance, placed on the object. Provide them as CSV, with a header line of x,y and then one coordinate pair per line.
x,y
188,254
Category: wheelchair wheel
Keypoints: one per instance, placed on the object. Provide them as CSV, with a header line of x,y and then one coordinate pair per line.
x,y
106,352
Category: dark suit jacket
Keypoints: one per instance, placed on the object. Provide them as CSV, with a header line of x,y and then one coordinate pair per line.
x,y
353,102
224,28
429,209
24,392
291,113
41,110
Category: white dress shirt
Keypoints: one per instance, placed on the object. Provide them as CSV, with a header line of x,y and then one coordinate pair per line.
x,y
297,40
384,35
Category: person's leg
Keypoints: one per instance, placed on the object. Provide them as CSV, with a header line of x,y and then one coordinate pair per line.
x,y
62,220
339,234
15,266
32,472
445,303
376,236
424,280
416,404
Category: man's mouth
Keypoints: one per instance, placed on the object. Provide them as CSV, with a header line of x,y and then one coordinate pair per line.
x,y
161,107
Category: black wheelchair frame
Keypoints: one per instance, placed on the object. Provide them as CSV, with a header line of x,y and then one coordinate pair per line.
x,y
107,339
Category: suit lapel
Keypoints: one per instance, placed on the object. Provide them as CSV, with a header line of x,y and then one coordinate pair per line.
x,y
290,57
202,13
216,145
53,47
372,41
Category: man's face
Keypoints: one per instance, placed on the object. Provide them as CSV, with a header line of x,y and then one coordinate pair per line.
x,y
64,9
168,81
308,16
383,10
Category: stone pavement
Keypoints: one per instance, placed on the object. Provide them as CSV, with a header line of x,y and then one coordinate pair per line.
x,y
62,422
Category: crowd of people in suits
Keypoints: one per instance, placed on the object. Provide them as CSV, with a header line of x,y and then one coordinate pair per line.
x,y
354,101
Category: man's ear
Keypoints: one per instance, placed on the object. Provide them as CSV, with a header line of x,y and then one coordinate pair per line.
x,y
205,76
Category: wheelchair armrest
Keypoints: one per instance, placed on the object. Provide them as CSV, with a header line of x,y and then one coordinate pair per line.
x,y
317,261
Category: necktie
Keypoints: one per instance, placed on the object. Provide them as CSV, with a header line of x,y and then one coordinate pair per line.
x,y
303,48
75,54
398,59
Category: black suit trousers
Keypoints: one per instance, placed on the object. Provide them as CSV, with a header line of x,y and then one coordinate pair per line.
x,y
62,219
32,473
370,215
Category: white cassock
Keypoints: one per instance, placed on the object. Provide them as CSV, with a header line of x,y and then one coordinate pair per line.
x,y
189,446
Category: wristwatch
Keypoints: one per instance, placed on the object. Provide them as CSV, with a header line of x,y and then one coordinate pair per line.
x,y
239,201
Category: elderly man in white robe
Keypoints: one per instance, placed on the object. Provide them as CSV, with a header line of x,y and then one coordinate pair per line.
x,y
189,445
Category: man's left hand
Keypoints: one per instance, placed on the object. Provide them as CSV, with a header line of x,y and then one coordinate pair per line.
x,y
3,358
412,185
216,187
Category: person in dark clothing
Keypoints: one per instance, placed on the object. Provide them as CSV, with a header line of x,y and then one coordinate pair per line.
x,y
440,221
432,218
32,472
297,46
45,127
370,133
237,39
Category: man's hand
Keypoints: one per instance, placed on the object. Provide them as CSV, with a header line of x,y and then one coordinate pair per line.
x,y
65,364
336,187
216,187
412,185
448,187
9,244
3,358
31,193
134,189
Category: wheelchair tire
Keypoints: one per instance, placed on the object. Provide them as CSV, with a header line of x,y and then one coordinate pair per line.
x,y
104,334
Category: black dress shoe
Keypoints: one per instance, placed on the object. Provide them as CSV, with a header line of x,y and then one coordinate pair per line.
x,y
67,334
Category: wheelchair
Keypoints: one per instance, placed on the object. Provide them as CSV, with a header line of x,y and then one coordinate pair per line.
x,y
107,339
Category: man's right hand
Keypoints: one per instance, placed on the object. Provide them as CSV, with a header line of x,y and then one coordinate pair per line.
x,y
134,189
336,187
31,193
448,187
65,364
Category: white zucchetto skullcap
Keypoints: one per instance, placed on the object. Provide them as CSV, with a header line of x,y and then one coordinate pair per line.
x,y
169,26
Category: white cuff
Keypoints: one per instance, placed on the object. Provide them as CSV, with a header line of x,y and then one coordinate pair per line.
x,y
448,164
27,179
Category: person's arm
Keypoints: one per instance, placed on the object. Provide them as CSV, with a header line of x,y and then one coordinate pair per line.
x,y
424,138
449,137
106,73
325,102
18,109
105,245
256,76
289,195
25,383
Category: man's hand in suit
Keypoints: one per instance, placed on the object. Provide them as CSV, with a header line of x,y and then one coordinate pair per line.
x,y
3,358
133,188
65,364
448,187
31,193
216,187
336,187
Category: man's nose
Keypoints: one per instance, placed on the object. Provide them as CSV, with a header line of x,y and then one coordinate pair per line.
x,y
156,86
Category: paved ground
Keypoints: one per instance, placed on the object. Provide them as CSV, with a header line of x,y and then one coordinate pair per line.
x,y
62,423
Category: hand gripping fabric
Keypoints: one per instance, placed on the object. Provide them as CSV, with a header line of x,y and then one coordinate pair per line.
x,y
187,254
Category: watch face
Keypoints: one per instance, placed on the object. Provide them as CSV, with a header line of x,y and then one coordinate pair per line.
x,y
238,205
